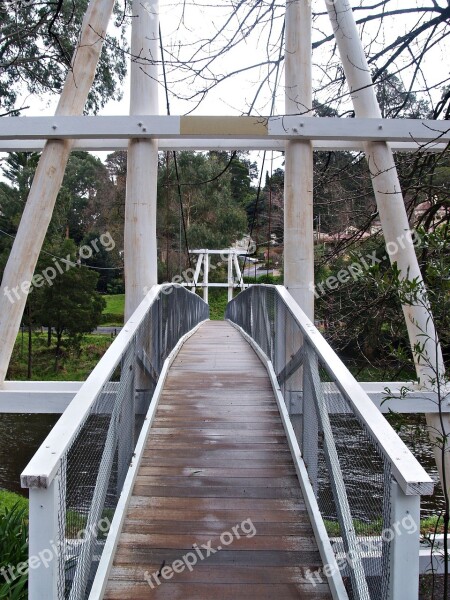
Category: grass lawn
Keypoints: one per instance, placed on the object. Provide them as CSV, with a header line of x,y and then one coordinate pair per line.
x,y
114,310
217,303
73,366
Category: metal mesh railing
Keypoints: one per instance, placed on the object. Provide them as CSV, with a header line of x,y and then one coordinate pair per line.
x,y
349,466
90,471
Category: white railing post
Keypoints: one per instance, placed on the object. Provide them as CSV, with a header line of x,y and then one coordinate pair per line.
x,y
205,277
44,543
127,420
310,423
230,276
404,545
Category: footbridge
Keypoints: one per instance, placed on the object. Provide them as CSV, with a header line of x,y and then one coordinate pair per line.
x,y
223,460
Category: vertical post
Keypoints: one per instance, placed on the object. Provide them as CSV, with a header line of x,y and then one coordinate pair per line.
x,y
391,207
198,267
140,251
230,275
206,276
238,271
298,178
47,181
125,398
404,546
44,544
310,424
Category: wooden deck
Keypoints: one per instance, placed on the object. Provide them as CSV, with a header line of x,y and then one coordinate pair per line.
x,y
216,459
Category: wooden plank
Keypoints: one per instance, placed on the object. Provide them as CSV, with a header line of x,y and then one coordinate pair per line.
x,y
221,431
131,554
235,491
195,481
217,458
224,574
208,591
290,543
188,443
212,528
247,473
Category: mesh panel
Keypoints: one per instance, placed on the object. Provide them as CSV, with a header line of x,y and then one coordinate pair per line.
x,y
94,467
362,502
367,478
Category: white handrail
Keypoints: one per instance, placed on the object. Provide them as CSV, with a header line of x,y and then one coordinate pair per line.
x,y
410,475
44,465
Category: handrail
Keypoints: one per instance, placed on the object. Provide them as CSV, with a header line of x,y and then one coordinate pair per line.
x,y
43,466
410,475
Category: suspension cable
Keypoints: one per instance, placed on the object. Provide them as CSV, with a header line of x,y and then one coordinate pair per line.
x,y
272,107
175,161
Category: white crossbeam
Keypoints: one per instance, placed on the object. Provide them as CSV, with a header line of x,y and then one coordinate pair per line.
x,y
409,131
168,145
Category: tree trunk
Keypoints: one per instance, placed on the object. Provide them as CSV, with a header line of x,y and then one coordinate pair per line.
x,y
30,344
58,348
49,336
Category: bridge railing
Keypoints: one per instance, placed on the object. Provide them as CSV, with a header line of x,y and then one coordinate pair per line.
x,y
76,477
366,483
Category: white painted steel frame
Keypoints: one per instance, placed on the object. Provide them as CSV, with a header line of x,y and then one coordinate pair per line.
x,y
287,127
43,535
107,558
394,220
53,397
335,582
409,474
228,254
403,554
298,260
140,246
357,575
164,145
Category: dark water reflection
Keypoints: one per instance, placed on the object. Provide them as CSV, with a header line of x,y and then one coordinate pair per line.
x,y
20,437
413,431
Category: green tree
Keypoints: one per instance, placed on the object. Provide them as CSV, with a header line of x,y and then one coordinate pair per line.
x,y
38,40
70,303
213,216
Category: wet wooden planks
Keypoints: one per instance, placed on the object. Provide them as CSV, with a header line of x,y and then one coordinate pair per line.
x,y
217,473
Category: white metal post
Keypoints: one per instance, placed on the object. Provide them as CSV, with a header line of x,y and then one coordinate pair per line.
x,y
310,423
127,419
198,267
391,206
205,276
238,271
44,543
47,181
230,276
404,534
140,251
298,178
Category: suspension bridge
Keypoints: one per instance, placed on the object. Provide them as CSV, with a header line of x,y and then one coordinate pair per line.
x,y
228,460
218,470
